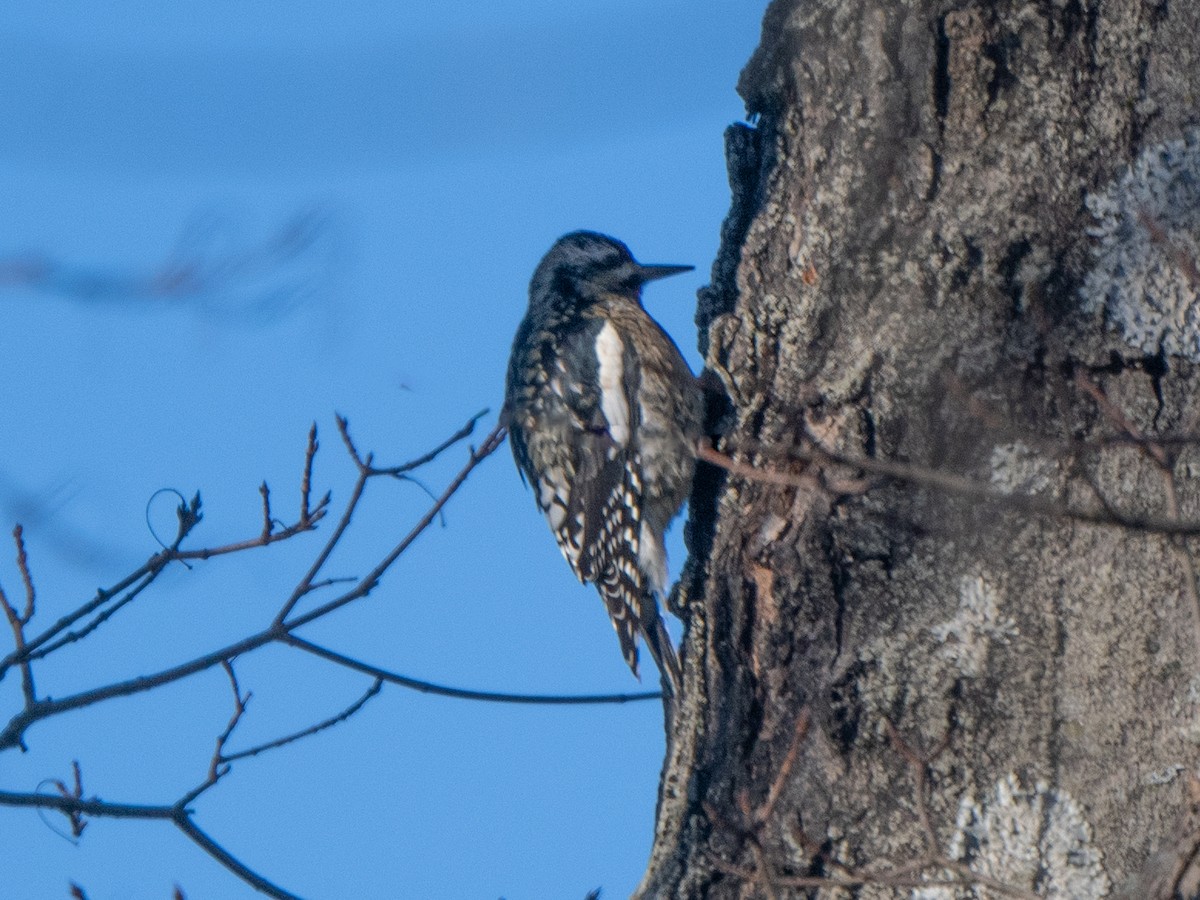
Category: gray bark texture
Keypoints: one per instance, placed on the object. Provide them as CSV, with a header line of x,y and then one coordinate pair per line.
x,y
962,248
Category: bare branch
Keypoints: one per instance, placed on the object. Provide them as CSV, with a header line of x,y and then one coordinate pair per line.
x,y
72,636
70,800
262,540
268,525
368,582
144,576
345,714
365,473
185,824
93,808
752,821
26,578
229,861
343,425
151,568
178,814
918,764
18,621
1033,504
218,767
466,431
310,454
139,581
799,733
12,734
1122,421
1165,462
304,585
427,687
75,793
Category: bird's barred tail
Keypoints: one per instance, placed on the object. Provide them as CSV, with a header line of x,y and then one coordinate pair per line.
x,y
624,617
633,610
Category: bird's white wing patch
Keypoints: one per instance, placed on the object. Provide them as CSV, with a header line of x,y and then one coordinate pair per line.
x,y
610,356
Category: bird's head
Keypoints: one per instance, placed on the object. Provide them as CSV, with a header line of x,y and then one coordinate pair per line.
x,y
585,264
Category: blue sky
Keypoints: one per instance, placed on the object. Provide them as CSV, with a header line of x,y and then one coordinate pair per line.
x,y
440,153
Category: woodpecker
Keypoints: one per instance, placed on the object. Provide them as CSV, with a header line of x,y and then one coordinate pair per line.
x,y
604,415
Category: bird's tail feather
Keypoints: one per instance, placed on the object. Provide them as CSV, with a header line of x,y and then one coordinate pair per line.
x,y
658,642
624,620
633,609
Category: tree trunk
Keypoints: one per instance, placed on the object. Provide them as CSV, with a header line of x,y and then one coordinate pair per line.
x,y
960,662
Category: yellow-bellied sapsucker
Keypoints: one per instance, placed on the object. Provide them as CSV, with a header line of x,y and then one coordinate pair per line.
x,y
604,416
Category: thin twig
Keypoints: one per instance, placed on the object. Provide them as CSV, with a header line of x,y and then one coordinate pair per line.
x,y
185,824
369,581
151,567
466,431
26,578
218,766
12,732
239,709
752,473
304,585
75,792
310,454
919,763
365,473
1115,415
343,427
17,622
268,524
1165,463
345,714
799,733
72,636
329,582
428,687
752,821
955,484
252,543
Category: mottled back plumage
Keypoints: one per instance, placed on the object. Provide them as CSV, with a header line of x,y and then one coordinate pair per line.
x,y
604,416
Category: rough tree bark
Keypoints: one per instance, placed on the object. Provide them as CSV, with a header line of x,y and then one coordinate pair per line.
x,y
963,239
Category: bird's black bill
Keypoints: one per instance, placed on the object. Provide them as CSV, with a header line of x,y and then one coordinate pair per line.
x,y
653,273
